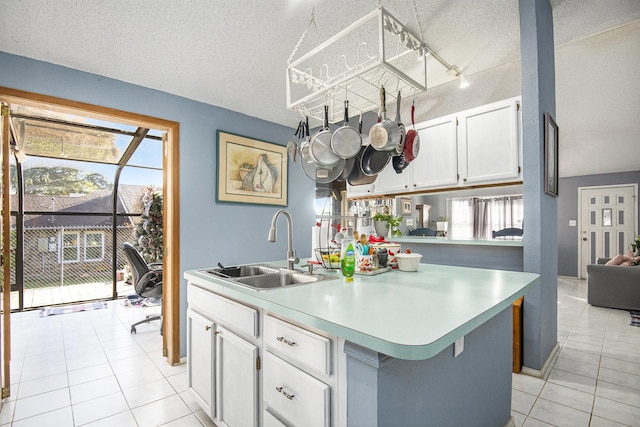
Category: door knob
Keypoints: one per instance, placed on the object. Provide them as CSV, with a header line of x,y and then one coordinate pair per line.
x,y
584,239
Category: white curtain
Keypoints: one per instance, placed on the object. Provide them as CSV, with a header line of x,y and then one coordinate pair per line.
x,y
507,212
475,218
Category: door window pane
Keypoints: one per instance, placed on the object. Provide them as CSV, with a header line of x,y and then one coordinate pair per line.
x,y
606,217
606,200
620,217
607,249
592,217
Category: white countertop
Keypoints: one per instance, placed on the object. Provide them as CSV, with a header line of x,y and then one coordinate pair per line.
x,y
407,315
432,240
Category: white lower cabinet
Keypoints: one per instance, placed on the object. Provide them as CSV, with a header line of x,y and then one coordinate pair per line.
x,y
222,365
244,375
297,397
237,385
200,357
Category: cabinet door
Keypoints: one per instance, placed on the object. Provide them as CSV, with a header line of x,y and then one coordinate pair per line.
x,y
389,182
359,190
489,143
200,361
437,163
237,377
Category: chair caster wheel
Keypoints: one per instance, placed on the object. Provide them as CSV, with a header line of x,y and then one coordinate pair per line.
x,y
133,330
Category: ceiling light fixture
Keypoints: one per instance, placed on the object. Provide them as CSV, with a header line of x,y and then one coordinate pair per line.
x,y
453,71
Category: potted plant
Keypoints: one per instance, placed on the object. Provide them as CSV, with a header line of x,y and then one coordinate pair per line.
x,y
382,223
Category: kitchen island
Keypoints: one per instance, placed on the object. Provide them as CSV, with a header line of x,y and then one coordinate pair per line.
x,y
391,338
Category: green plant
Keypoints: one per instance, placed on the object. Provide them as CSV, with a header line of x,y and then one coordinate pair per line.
x,y
392,222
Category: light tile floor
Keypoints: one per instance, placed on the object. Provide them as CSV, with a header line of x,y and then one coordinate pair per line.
x,y
595,379
86,368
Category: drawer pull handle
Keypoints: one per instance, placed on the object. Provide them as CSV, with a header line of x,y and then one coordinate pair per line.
x,y
206,328
284,393
287,342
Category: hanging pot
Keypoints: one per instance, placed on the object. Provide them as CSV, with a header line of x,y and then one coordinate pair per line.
x,y
399,163
346,141
320,145
373,161
412,141
384,135
357,176
319,173
346,171
401,128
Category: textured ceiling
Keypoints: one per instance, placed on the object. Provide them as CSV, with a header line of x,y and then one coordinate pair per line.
x,y
233,54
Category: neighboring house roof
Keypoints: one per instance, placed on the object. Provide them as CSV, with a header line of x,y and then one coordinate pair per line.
x,y
101,201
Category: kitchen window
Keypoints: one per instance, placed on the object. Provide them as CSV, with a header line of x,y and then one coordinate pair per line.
x,y
70,247
475,217
93,246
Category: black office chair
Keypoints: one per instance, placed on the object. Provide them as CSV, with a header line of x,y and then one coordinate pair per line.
x,y
507,232
423,232
147,280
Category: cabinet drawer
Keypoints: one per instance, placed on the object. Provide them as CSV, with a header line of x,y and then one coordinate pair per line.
x,y
301,346
299,398
236,316
270,420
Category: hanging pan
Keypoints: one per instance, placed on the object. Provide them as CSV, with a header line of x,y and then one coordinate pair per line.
x,y
412,141
346,141
357,176
319,173
320,145
373,161
384,135
401,127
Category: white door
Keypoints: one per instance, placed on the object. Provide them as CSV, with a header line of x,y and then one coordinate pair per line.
x,y
608,217
237,382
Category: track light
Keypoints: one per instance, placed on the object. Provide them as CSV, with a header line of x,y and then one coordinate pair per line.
x,y
455,72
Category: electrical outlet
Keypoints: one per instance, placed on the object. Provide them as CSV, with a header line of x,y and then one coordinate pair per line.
x,y
458,347
573,223
409,222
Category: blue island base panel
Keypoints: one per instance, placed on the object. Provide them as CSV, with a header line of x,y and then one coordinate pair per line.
x,y
473,389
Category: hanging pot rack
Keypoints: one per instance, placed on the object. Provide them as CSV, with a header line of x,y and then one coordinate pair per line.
x,y
376,50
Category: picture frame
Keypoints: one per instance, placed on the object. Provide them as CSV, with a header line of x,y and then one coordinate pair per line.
x,y
406,206
551,140
250,171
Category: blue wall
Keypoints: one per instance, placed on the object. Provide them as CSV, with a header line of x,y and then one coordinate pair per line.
x,y
209,232
568,209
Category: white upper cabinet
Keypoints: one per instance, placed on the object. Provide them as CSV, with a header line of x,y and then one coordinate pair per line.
x,y
479,146
437,163
489,143
388,181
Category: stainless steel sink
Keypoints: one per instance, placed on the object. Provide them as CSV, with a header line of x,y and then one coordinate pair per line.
x,y
261,277
243,271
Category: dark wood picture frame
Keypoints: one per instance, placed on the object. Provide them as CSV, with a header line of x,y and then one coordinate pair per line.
x,y
551,139
251,171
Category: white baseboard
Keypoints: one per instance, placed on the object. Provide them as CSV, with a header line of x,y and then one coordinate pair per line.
x,y
546,368
511,422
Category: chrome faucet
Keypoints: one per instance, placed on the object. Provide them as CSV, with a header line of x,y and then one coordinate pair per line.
x,y
292,259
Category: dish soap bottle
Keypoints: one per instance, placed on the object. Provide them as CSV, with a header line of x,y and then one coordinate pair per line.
x,y
348,260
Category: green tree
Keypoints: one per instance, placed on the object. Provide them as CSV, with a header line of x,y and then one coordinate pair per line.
x,y
61,181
